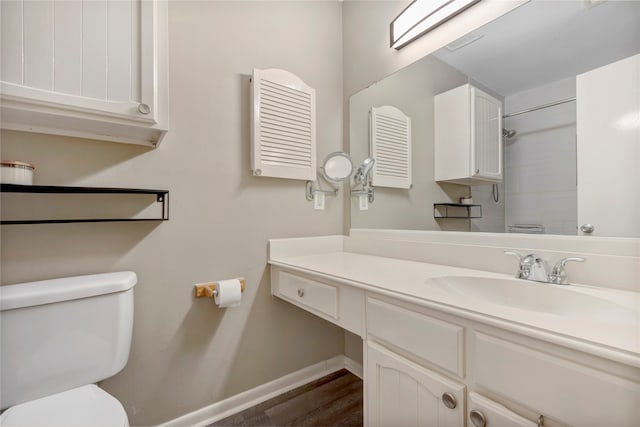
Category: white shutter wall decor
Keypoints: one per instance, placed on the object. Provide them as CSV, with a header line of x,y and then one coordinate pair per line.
x,y
283,132
390,139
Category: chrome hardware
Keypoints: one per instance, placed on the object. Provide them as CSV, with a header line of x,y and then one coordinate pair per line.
x,y
449,400
362,178
540,421
558,275
532,267
300,292
144,108
477,418
587,228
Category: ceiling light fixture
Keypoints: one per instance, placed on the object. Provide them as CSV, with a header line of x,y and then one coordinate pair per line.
x,y
421,16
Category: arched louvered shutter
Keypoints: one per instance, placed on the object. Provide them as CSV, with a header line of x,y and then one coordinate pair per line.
x,y
283,126
390,138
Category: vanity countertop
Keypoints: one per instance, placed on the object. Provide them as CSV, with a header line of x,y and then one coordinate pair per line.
x,y
612,337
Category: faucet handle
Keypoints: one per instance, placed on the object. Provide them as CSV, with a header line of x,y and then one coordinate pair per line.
x,y
516,254
558,273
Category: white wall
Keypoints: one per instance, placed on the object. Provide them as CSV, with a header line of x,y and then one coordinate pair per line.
x,y
493,213
540,172
187,354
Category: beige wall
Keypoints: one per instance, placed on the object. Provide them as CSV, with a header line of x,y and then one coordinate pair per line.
x,y
367,56
412,90
188,354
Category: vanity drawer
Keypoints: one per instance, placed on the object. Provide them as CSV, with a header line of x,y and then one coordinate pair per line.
x,y
309,293
568,392
431,339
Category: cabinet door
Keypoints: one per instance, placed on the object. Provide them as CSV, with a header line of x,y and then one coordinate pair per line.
x,y
401,393
607,100
71,67
484,412
486,135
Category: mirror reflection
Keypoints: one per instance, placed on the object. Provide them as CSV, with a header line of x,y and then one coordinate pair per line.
x,y
532,120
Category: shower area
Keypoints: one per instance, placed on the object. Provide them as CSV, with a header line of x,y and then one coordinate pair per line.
x,y
538,194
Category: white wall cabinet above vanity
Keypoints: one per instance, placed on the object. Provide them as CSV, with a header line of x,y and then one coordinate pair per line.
x,y
468,136
437,360
93,69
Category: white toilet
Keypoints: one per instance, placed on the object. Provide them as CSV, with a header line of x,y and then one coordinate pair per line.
x,y
58,337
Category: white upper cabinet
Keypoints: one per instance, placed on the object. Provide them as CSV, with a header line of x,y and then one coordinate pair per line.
x,y
468,137
94,68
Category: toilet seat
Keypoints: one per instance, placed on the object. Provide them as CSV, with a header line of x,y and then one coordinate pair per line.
x,y
80,407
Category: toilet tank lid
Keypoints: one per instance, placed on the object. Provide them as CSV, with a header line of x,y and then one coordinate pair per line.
x,y
64,289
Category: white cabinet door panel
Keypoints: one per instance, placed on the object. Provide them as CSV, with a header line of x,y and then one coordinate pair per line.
x,y
11,41
401,393
37,44
608,148
67,47
94,49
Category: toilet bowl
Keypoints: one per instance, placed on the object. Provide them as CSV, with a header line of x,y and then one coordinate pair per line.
x,y
86,406
58,337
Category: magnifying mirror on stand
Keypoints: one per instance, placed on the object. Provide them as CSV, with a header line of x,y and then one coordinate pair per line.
x,y
336,170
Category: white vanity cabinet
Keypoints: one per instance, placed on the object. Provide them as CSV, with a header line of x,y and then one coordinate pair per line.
x,y
468,136
339,304
425,365
524,377
92,69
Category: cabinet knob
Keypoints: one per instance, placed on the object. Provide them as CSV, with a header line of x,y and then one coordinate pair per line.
x,y
477,418
587,228
300,292
449,400
144,108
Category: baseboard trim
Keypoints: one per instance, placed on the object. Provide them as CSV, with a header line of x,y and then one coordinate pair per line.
x,y
234,404
354,367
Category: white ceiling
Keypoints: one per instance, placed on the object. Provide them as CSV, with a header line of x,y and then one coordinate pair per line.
x,y
548,40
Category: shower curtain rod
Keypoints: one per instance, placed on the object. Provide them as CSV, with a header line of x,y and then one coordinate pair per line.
x,y
540,107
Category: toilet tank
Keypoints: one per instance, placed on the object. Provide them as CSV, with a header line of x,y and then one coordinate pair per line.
x,y
59,334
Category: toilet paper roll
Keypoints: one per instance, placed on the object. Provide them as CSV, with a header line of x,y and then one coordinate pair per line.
x,y
229,293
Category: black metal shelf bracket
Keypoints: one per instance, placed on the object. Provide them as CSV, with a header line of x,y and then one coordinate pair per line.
x,y
162,197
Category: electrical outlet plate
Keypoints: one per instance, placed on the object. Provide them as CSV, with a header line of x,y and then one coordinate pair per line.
x,y
363,202
318,201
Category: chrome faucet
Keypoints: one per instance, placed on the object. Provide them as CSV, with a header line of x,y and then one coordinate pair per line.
x,y
558,274
532,267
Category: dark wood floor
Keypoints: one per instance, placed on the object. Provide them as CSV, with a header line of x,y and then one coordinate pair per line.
x,y
334,400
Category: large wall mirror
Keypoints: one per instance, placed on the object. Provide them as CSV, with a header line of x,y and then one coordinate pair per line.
x,y
567,75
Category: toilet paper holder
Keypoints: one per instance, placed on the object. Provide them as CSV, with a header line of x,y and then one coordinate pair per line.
x,y
209,289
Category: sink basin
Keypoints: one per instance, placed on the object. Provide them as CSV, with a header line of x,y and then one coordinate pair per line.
x,y
534,296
